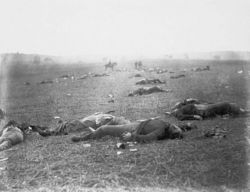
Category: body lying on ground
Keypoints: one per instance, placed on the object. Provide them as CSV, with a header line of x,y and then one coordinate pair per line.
x,y
100,75
95,120
198,69
12,134
144,131
198,111
149,81
177,76
146,91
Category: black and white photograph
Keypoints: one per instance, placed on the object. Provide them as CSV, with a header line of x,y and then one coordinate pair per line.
x,y
125,95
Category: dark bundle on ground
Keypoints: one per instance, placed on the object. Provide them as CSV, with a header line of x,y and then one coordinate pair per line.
x,y
46,82
146,91
178,76
149,81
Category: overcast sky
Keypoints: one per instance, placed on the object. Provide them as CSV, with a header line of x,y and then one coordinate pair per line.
x,y
138,27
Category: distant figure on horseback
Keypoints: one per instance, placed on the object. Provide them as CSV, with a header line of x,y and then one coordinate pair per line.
x,y
110,65
138,65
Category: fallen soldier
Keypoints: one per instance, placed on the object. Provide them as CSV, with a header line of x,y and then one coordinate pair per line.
x,y
199,111
95,120
46,82
144,131
198,69
100,75
146,91
12,134
177,76
149,81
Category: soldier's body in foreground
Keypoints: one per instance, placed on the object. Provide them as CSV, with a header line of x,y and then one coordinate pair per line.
x,y
95,120
145,131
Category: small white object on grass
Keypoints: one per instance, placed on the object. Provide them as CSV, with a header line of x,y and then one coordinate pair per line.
x,y
240,72
111,95
131,145
168,113
2,168
57,117
86,145
4,159
133,150
119,152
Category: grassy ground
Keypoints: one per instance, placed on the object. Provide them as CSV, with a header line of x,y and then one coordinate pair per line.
x,y
193,163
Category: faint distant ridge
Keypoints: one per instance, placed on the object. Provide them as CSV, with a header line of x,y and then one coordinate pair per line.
x,y
214,55
23,58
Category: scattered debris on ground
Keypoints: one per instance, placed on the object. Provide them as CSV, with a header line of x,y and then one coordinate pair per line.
x,y
240,72
111,98
120,146
133,150
216,133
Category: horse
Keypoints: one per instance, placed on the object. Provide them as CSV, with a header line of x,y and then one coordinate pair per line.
x,y
110,65
138,65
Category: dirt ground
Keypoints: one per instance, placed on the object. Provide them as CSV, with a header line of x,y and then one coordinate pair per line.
x,y
194,163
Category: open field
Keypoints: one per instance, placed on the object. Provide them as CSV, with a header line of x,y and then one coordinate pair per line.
x,y
193,163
